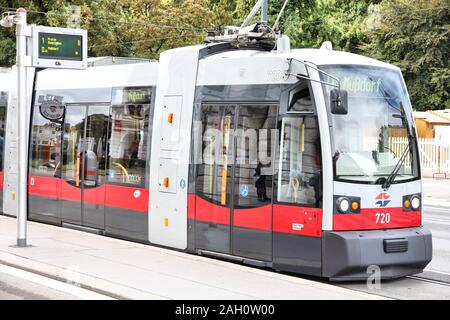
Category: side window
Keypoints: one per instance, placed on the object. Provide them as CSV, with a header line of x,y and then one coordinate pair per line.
x,y
300,99
300,174
45,145
129,136
216,161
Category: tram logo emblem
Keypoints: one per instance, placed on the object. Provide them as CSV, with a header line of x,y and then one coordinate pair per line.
x,y
382,200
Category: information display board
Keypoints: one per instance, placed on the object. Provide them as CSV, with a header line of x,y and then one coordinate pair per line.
x,y
59,48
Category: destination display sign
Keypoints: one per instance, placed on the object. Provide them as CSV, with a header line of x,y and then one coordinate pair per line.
x,y
136,95
132,95
60,46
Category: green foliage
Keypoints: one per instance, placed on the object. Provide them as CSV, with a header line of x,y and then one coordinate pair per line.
x,y
141,28
414,35
339,21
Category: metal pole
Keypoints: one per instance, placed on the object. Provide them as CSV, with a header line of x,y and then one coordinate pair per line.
x,y
264,10
21,44
252,13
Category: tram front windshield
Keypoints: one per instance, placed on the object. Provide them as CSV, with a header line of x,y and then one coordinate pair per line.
x,y
371,140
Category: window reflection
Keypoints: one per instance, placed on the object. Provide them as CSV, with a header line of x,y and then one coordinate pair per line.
x,y
45,146
214,173
255,136
237,154
129,136
300,99
300,176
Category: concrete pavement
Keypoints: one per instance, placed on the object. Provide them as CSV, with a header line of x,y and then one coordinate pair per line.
x,y
128,270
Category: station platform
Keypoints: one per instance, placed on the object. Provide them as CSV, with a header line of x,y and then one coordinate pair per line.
x,y
127,270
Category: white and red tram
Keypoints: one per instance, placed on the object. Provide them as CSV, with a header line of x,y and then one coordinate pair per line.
x,y
288,159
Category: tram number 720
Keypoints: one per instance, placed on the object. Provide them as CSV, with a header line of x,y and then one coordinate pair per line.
x,y
383,218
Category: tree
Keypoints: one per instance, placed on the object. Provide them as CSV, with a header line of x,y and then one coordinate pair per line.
x,y
414,35
126,28
339,21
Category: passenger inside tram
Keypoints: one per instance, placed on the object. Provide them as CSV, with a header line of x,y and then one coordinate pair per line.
x,y
260,184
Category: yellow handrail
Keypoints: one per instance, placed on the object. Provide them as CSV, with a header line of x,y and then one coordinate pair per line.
x,y
123,169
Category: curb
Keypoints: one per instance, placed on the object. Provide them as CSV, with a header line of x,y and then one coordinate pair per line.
x,y
87,282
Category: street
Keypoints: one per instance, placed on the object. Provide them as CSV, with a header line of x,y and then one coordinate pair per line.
x,y
434,283
16,284
438,221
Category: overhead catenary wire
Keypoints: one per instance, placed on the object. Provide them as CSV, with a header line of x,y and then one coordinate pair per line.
x,y
142,41
275,25
142,23
95,46
147,23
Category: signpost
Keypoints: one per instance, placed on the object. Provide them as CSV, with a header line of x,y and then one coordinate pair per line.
x,y
49,48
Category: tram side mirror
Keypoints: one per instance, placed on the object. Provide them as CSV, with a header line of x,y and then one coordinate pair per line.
x,y
339,101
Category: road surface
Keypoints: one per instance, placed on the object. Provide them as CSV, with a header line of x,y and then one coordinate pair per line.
x,y
16,284
433,284
438,221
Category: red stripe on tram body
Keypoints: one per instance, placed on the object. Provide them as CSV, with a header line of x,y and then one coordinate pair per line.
x,y
123,197
254,218
212,213
376,218
44,186
127,198
191,206
1,179
297,220
286,219
69,192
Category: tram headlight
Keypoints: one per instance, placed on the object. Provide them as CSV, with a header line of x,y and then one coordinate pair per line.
x,y
343,205
415,202
412,202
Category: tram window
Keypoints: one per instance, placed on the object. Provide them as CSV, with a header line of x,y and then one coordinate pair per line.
x,y
255,138
45,146
300,99
300,177
129,136
215,164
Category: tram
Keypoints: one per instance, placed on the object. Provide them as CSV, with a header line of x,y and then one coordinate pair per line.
x,y
5,76
275,158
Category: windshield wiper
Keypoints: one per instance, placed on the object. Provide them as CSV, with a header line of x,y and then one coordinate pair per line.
x,y
394,173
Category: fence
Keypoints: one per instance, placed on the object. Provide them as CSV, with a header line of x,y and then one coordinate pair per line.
x,y
434,155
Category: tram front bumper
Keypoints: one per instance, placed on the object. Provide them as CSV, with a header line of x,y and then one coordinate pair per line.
x,y
391,253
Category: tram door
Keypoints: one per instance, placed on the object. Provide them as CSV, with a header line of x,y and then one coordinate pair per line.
x,y
84,152
235,179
